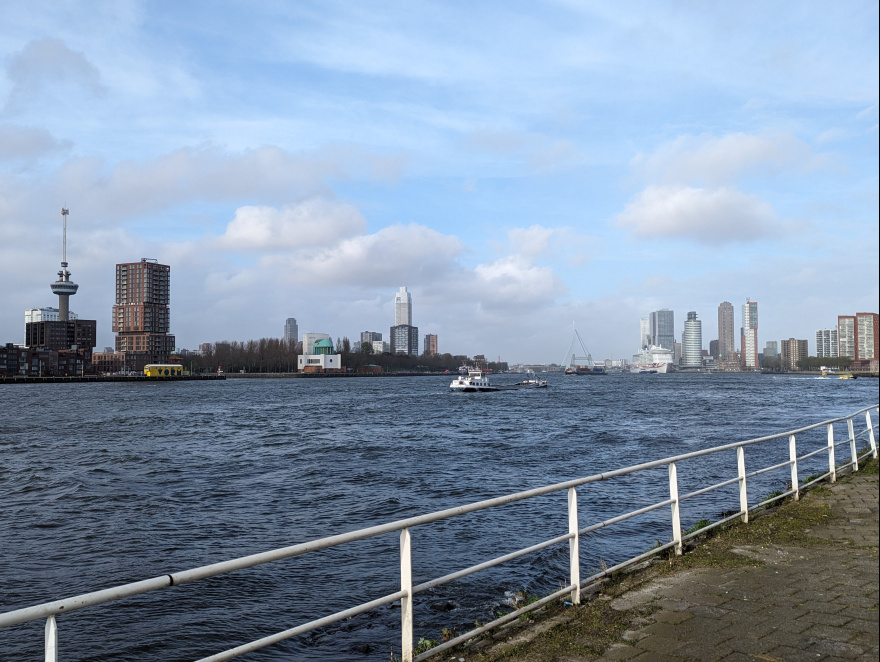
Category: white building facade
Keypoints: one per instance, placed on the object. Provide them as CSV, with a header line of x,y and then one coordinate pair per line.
x,y
692,342
749,335
826,343
402,308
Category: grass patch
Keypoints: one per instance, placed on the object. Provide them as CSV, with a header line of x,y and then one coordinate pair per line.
x,y
699,524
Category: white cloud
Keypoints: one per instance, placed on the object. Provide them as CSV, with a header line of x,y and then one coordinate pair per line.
x,y
47,63
23,142
314,222
711,160
393,255
718,215
515,282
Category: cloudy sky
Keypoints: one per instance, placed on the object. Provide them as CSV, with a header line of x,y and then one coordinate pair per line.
x,y
519,166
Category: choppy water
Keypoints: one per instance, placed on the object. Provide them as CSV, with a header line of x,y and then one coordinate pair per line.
x,y
102,484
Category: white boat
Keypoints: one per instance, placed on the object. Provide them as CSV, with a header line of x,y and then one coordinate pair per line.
x,y
652,360
532,381
475,381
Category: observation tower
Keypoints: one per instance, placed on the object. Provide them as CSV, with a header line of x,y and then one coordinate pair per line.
x,y
64,287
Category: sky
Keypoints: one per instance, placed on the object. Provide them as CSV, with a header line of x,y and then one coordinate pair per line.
x,y
522,168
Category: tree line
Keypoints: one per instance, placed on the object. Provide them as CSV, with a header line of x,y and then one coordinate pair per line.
x,y
276,355
810,363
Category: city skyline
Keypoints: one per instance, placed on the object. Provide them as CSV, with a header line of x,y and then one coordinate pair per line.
x,y
590,165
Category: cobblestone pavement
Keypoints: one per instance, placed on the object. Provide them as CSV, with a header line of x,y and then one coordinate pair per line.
x,y
809,603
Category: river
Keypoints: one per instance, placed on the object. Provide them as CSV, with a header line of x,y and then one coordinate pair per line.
x,y
102,484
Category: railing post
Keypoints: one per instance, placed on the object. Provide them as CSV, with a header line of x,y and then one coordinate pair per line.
x,y
406,606
743,494
832,467
676,512
852,445
574,553
51,640
792,456
871,433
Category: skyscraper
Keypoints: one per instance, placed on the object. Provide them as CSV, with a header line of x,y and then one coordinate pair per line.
x,y
644,332
663,328
142,313
291,330
692,342
749,335
826,343
404,336
402,308
726,338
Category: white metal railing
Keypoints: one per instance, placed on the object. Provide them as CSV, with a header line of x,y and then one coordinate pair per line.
x,y
407,590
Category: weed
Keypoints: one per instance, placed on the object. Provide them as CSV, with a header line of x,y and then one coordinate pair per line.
x,y
771,495
699,524
812,477
446,634
424,646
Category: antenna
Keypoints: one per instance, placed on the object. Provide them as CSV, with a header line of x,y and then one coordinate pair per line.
x,y
64,213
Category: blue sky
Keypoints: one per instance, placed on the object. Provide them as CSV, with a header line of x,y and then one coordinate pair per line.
x,y
518,166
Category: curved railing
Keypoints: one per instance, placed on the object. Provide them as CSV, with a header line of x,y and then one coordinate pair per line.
x,y
408,591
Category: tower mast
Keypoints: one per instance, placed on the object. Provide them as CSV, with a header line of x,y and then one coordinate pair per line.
x,y
64,287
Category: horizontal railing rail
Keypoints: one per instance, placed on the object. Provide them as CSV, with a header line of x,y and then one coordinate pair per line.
x,y
575,585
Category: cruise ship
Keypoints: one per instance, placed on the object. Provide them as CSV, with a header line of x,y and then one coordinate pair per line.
x,y
651,360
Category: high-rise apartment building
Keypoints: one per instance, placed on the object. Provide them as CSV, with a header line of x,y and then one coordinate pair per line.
x,y
793,351
857,338
692,342
867,337
291,330
142,313
663,328
726,337
826,343
749,335
405,339
402,308
846,336
430,347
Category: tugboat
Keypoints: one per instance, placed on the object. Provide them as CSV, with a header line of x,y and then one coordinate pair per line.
x,y
474,382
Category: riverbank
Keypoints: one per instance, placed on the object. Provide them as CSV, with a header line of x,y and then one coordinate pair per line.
x,y
79,379
799,581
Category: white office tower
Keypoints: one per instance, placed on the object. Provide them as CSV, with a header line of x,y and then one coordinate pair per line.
x,y
749,335
402,308
291,330
692,342
644,332
826,343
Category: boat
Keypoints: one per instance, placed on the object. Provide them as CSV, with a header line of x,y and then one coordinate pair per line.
x,y
474,382
532,381
652,360
463,369
589,368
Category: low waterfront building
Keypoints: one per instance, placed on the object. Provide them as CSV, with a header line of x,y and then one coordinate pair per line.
x,y
320,359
